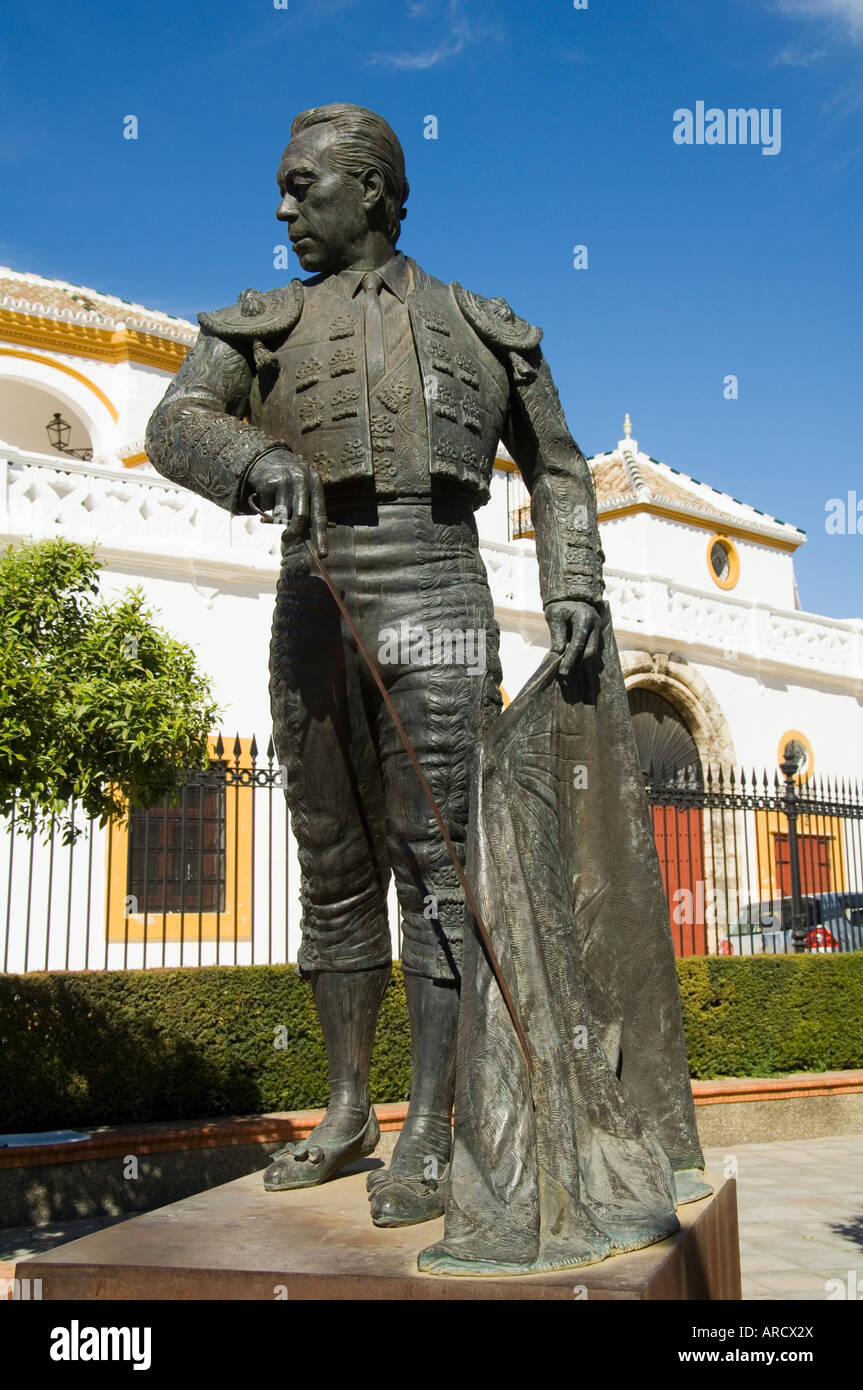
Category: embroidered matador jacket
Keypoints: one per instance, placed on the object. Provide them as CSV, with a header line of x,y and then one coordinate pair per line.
x,y
287,367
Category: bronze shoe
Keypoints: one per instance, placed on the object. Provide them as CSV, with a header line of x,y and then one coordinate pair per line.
x,y
398,1199
302,1164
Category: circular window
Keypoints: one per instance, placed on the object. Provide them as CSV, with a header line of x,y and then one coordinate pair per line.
x,y
801,749
723,561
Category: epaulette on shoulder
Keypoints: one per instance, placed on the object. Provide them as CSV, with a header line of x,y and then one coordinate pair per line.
x,y
258,314
495,322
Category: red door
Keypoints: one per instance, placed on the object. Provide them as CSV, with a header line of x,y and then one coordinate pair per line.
x,y
816,870
680,846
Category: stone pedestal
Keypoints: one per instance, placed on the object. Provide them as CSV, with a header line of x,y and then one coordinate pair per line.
x,y
239,1242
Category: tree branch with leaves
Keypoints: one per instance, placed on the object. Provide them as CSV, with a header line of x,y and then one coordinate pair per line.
x,y
99,707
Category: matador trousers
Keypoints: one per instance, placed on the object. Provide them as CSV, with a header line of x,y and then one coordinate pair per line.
x,y
413,581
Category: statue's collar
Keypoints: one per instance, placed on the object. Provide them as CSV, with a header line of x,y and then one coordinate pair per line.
x,y
395,274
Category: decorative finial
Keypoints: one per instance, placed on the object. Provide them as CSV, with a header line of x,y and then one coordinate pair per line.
x,y
627,425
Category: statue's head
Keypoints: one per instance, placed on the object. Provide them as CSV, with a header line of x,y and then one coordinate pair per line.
x,y
342,179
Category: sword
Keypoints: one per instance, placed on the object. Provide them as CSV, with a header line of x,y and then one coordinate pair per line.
x,y
470,898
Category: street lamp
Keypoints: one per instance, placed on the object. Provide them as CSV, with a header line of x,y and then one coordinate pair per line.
x,y
789,767
58,433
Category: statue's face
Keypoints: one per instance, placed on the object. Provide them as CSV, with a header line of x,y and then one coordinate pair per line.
x,y
325,214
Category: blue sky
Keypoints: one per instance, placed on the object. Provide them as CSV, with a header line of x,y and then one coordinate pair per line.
x,y
555,129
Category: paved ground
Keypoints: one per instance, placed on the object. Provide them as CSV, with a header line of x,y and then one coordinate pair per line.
x,y
800,1205
18,1241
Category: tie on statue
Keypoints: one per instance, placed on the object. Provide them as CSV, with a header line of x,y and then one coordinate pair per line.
x,y
362,409
372,285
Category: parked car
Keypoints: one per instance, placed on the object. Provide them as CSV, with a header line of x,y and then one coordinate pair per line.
x,y
834,922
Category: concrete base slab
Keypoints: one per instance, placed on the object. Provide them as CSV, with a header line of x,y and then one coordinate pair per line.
x,y
240,1242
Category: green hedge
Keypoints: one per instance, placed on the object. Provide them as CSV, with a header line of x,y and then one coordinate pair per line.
x,y
116,1047
770,1015
120,1047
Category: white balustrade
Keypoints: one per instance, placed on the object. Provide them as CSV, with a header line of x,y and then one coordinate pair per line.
x,y
143,514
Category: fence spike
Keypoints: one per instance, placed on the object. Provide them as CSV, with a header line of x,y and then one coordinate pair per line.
x,y
253,748
271,749
220,747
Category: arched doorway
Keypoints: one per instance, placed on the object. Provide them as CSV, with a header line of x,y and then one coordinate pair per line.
x,y
668,757
27,410
31,384
667,752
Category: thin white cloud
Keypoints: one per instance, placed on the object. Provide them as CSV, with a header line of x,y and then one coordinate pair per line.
x,y
792,56
426,58
844,102
460,33
846,14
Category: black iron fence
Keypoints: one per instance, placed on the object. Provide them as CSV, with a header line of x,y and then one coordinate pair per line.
x,y
208,879
760,863
750,863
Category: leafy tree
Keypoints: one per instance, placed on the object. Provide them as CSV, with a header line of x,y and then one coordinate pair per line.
x,y
98,705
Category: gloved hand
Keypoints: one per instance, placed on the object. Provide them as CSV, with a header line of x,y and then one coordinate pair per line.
x,y
284,485
575,630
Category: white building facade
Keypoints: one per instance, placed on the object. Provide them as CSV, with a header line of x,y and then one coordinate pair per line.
x,y
717,654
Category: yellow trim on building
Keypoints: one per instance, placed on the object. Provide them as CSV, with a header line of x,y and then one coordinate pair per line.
x,y
134,460
235,923
671,514
733,561
792,735
707,524
769,824
70,371
86,340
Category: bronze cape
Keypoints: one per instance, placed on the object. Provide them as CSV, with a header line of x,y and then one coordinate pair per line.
x,y
590,1155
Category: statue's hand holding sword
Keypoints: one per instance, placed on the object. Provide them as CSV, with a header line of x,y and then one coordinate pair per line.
x,y
286,491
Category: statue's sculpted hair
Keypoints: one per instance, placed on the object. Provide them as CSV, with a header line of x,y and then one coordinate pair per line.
x,y
365,140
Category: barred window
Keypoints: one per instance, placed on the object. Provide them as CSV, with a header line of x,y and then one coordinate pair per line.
x,y
176,857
